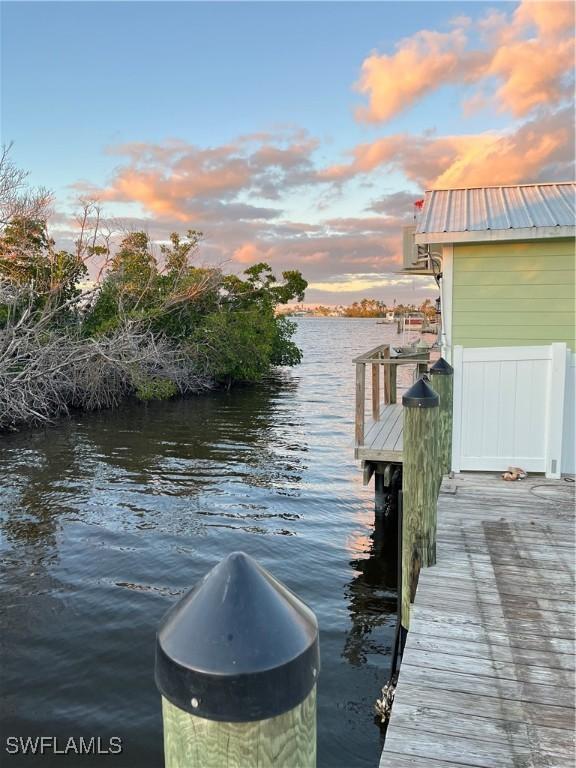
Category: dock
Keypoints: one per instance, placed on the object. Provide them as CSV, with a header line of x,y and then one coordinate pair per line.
x,y
487,676
383,437
379,436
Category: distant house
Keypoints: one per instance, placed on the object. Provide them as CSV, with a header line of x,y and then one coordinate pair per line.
x,y
506,256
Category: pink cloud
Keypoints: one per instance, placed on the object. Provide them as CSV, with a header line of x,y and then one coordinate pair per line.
x,y
250,253
420,64
179,180
530,54
540,147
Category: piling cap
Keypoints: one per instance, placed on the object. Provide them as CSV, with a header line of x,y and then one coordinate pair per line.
x,y
238,647
441,368
420,395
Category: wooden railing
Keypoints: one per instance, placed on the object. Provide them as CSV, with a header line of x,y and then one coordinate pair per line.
x,y
377,358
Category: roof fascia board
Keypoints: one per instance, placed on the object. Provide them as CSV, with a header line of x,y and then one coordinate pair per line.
x,y
488,235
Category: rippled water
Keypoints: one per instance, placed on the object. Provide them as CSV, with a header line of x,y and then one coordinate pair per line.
x,y
107,518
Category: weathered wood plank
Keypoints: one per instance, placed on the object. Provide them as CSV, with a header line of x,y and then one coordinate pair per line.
x,y
523,627
488,673
513,587
471,682
397,760
438,746
490,668
479,705
554,741
478,633
468,596
525,656
475,752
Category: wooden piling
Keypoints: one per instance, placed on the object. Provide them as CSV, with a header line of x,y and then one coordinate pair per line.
x,y
380,492
419,488
442,379
237,663
286,740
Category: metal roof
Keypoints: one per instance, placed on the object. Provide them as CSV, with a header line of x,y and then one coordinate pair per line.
x,y
519,210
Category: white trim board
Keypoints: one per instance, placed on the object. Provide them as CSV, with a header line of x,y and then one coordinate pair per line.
x,y
491,235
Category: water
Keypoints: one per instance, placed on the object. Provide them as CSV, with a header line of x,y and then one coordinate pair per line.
x,y
107,518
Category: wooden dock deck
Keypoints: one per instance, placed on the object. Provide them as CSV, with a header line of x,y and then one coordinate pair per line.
x,y
383,438
379,438
487,677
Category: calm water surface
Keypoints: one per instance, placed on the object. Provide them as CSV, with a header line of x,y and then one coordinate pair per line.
x,y
107,518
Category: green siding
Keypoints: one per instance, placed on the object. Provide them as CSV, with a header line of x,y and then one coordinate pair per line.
x,y
514,294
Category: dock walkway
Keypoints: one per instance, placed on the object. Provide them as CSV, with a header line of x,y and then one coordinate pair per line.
x,y
487,677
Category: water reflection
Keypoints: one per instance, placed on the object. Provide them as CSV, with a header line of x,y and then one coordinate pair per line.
x,y
106,518
371,594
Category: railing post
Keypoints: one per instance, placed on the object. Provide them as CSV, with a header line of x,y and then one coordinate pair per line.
x,y
237,662
421,368
360,404
419,487
386,374
376,391
442,380
393,377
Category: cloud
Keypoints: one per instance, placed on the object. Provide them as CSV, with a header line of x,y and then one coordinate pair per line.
x,y
541,148
250,253
422,63
248,195
362,282
530,56
394,204
178,180
531,74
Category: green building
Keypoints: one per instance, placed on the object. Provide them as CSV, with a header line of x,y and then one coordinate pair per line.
x,y
505,262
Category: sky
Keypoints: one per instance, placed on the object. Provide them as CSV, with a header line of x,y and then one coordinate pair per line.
x,y
299,134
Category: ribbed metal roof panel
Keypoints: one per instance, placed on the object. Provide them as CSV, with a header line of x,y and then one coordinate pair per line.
x,y
480,209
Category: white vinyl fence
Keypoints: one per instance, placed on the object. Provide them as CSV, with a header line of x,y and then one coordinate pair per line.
x,y
569,440
509,407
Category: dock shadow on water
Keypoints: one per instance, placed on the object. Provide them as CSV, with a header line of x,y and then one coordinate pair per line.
x,y
107,518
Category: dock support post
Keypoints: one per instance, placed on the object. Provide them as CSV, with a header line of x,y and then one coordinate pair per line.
x,y
442,379
419,487
237,662
379,493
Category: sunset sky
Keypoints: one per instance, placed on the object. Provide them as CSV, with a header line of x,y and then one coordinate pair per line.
x,y
295,133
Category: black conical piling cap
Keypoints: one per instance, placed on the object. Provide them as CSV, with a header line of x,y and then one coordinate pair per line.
x,y
441,368
420,395
237,647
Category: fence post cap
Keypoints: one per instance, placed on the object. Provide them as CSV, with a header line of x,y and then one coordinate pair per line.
x,y
420,395
238,647
441,367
